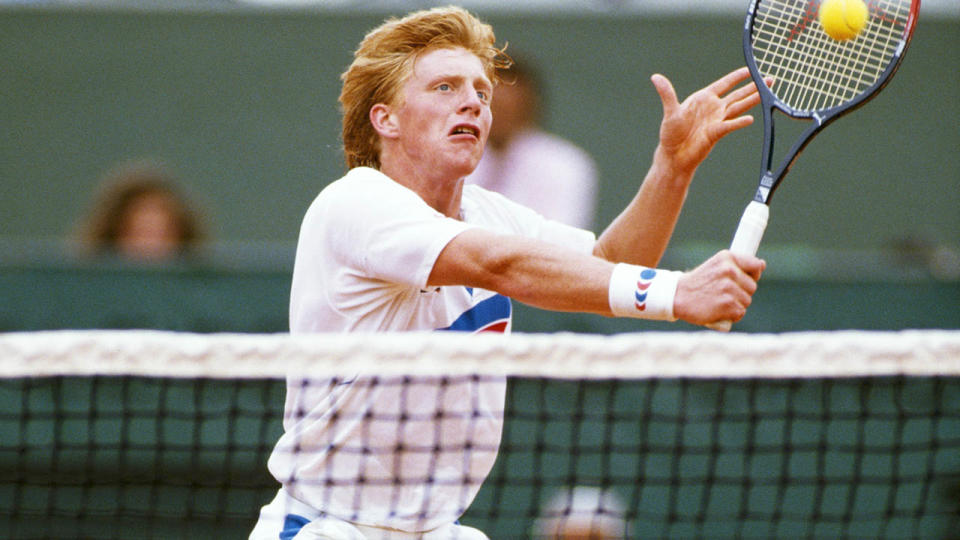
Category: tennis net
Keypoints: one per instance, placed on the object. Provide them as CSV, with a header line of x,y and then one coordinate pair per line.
x,y
141,434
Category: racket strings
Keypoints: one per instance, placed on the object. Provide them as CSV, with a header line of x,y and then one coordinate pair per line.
x,y
813,71
814,80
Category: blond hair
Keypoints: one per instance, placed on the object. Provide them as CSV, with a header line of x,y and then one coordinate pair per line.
x,y
385,59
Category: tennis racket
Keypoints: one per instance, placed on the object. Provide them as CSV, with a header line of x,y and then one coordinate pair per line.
x,y
815,78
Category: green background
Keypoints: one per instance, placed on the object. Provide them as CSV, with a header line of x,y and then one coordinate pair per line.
x,y
242,105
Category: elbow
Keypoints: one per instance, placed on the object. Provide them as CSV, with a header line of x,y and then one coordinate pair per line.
x,y
476,259
600,251
498,270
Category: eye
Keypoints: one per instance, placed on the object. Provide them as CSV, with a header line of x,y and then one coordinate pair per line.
x,y
483,95
444,87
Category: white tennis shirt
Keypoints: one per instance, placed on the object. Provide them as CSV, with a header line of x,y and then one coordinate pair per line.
x,y
366,249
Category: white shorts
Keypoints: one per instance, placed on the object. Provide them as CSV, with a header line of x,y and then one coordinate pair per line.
x,y
286,518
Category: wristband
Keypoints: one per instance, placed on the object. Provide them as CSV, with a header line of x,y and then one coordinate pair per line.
x,y
643,293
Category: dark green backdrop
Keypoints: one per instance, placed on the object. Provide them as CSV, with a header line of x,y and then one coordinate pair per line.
x,y
242,104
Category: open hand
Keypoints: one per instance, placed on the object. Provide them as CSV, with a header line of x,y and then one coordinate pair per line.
x,y
689,130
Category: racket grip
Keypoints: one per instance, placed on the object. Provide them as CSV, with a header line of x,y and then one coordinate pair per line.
x,y
746,241
750,231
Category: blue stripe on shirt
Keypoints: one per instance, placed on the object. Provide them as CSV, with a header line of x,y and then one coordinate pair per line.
x,y
493,309
292,524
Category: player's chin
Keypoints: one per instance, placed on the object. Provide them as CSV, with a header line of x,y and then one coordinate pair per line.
x,y
467,169
466,161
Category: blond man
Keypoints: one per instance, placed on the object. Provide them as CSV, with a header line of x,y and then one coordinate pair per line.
x,y
401,244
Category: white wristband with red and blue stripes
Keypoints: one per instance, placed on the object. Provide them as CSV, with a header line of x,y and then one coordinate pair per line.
x,y
643,293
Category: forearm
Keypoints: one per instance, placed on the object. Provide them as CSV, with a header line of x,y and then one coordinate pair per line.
x,y
552,277
532,272
688,132
640,234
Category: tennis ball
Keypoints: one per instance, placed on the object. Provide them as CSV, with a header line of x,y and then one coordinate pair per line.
x,y
843,19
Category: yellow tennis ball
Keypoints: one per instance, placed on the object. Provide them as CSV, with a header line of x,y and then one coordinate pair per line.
x,y
843,19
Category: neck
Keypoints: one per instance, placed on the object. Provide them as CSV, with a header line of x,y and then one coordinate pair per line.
x,y
441,193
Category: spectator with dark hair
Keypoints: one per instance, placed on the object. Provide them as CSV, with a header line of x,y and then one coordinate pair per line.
x,y
141,214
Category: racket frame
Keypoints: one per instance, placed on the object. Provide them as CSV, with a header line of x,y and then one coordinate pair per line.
x,y
754,220
820,118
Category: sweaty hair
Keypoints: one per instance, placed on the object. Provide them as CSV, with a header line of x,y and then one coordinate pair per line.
x,y
385,59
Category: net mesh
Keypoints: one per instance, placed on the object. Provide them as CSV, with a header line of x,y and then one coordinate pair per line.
x,y
677,435
813,71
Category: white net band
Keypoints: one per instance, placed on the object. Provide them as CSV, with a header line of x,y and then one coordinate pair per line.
x,y
667,354
113,434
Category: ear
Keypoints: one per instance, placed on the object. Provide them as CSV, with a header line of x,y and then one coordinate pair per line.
x,y
383,121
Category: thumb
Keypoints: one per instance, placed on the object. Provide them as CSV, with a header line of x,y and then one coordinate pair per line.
x,y
668,96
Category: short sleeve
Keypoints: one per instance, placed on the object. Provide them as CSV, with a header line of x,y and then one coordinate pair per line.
x,y
505,216
384,230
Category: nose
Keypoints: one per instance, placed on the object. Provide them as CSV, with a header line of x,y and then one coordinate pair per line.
x,y
471,102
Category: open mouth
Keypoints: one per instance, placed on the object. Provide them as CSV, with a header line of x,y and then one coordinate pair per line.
x,y
465,130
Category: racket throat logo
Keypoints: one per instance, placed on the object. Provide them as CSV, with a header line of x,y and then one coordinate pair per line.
x,y
767,182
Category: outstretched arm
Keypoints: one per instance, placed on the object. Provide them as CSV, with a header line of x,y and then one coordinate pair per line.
x,y
688,132
555,278
551,277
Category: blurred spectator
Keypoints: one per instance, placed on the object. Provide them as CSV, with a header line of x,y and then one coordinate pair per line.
x,y
582,513
140,214
919,254
530,166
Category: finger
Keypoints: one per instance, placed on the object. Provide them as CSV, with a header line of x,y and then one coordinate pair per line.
x,y
735,269
746,91
756,274
743,105
750,264
668,96
749,92
744,98
722,129
738,299
742,93
729,81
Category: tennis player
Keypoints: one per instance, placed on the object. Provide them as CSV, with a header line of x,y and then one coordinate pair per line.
x,y
401,244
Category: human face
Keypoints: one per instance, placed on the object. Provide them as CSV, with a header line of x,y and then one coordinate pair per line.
x,y
149,230
443,116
